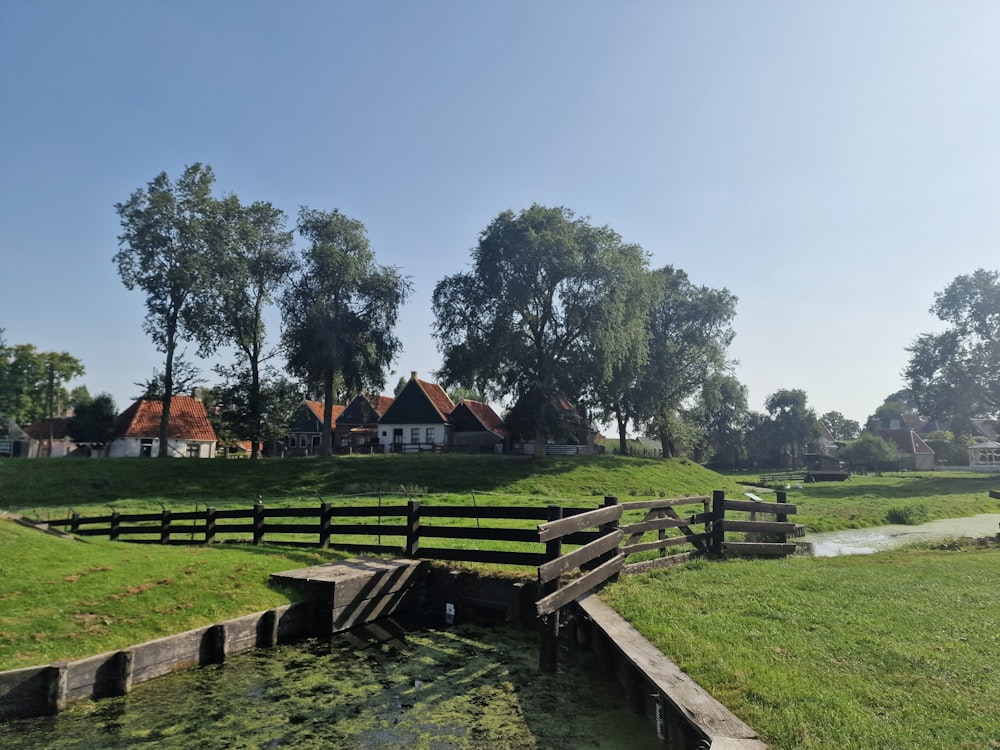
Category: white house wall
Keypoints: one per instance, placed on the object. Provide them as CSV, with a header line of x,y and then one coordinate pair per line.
x,y
132,448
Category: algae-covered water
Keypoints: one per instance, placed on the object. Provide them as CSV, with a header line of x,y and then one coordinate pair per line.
x,y
463,687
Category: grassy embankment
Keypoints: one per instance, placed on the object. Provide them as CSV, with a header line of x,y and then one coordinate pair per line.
x,y
896,650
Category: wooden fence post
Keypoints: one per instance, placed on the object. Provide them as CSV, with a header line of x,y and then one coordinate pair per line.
x,y
115,525
165,527
209,525
413,528
718,516
325,514
609,528
549,651
782,517
258,522
74,524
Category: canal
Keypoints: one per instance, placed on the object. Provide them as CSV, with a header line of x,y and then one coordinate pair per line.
x,y
462,687
880,538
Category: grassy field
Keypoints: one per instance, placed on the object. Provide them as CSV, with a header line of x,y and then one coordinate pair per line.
x,y
859,648
896,651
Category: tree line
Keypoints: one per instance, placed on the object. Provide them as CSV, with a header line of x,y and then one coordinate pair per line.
x,y
561,319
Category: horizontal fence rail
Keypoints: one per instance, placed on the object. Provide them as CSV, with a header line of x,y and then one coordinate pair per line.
x,y
674,530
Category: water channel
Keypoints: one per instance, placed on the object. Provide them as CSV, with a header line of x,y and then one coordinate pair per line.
x,y
462,687
880,538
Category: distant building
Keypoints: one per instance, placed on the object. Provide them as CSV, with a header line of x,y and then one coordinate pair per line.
x,y
190,434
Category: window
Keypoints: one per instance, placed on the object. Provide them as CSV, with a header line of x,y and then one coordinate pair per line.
x,y
414,434
429,438
397,434
194,450
146,447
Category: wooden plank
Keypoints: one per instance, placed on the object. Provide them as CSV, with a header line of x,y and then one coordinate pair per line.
x,y
564,526
664,503
576,558
707,716
753,507
489,534
995,495
510,512
759,548
660,562
528,559
553,602
656,524
631,549
769,527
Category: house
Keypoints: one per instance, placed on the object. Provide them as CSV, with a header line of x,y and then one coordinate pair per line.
x,y
50,438
916,455
419,419
477,428
189,435
14,442
305,430
356,429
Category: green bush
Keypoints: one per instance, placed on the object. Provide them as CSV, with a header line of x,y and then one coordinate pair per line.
x,y
908,514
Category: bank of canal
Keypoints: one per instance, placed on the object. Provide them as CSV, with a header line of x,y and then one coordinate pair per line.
x,y
462,687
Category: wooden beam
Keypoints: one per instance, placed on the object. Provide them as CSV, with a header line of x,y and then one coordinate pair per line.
x,y
640,504
759,548
631,549
752,507
995,495
641,527
659,562
579,556
564,526
769,527
553,602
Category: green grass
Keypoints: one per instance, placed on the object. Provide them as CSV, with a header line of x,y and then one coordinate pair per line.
x,y
892,651
64,599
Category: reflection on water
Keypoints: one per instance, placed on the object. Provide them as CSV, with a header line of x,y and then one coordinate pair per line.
x,y
867,541
465,687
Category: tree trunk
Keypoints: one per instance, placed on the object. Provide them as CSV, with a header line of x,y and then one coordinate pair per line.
x,y
326,442
622,432
255,428
168,390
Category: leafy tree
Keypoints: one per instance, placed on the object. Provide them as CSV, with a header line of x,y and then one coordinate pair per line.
x,y
169,244
794,422
840,426
258,264
400,385
230,411
458,393
94,421
956,373
546,292
721,415
339,313
870,451
33,383
889,412
186,376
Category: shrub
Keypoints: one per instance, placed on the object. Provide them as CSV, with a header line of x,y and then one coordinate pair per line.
x,y
908,514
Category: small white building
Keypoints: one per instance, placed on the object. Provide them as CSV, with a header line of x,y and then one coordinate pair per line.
x,y
190,434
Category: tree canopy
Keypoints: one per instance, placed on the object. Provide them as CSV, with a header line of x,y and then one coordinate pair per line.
x,y
340,312
840,426
546,293
170,247
956,373
33,383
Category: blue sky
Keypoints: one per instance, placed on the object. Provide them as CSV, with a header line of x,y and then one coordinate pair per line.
x,y
831,163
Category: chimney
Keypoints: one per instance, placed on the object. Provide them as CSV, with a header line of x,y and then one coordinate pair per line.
x,y
196,394
413,374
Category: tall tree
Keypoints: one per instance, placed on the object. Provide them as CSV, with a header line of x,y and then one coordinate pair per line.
x,y
721,412
233,416
340,312
33,383
545,292
259,263
956,373
840,426
168,247
794,422
690,329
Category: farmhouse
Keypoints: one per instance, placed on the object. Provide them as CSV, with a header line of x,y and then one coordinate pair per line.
x,y
305,431
478,429
190,434
419,419
50,438
356,429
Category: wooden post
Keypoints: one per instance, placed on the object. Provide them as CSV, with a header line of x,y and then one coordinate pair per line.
x,y
325,514
124,662
258,522
782,517
209,525
549,651
609,528
718,516
74,523
413,529
115,525
165,527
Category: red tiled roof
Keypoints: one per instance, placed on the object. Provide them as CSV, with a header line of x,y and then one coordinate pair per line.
x,y
381,403
486,416
908,441
437,397
188,419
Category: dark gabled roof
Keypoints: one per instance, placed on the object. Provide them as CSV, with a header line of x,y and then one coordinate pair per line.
x,y
39,429
188,420
908,441
364,410
419,402
9,430
475,416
